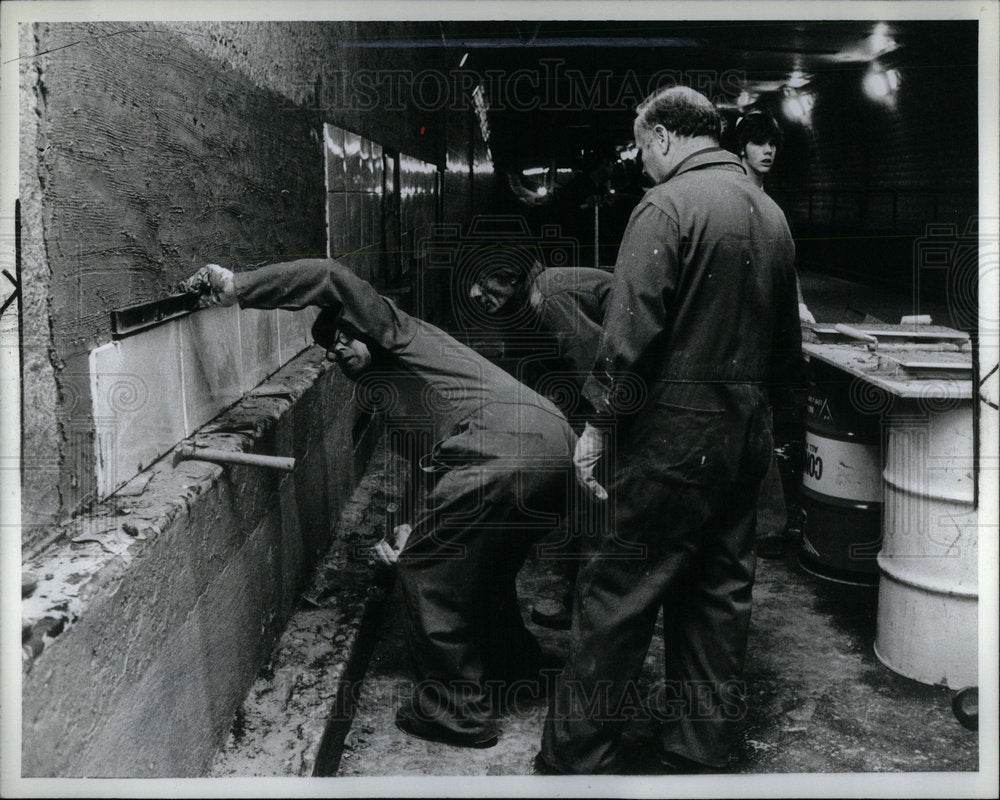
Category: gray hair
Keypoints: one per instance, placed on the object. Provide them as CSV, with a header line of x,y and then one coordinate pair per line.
x,y
681,110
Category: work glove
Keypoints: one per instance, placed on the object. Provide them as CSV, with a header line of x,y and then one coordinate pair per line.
x,y
213,284
589,449
388,553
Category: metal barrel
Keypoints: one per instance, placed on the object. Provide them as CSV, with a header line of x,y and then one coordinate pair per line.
x,y
928,593
842,477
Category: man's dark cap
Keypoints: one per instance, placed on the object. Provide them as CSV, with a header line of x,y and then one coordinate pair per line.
x,y
324,329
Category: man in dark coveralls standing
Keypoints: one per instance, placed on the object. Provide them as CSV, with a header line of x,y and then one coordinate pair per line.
x,y
703,309
499,456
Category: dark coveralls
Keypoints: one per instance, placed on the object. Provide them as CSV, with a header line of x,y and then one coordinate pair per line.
x,y
703,311
567,306
498,465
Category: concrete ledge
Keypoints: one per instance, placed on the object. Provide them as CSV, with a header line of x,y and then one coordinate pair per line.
x,y
300,708
151,615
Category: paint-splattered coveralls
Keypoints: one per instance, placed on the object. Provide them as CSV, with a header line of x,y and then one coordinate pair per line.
x,y
500,460
703,311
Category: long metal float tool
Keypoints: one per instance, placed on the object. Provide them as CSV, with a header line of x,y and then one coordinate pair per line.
x,y
132,319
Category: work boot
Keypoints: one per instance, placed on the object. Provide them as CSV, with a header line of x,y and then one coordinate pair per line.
x,y
554,614
543,767
410,722
771,546
648,761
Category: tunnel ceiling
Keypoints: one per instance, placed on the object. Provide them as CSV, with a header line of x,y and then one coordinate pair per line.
x,y
555,87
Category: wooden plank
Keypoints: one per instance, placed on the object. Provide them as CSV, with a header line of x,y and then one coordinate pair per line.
x,y
915,332
939,361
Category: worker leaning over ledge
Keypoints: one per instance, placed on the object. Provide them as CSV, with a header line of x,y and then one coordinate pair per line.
x,y
499,467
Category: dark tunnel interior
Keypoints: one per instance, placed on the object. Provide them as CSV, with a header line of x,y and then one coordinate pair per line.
x,y
879,165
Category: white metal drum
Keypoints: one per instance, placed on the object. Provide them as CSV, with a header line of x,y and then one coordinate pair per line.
x,y
928,592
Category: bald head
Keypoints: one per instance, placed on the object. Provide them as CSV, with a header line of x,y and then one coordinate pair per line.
x,y
682,111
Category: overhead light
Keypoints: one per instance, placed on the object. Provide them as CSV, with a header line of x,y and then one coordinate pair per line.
x,y
881,84
798,106
464,59
877,43
880,42
542,191
797,79
746,99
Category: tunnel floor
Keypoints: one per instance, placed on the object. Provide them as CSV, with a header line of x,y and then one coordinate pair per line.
x,y
818,699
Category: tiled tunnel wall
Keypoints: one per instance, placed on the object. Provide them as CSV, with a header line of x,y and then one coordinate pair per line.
x,y
155,388
222,146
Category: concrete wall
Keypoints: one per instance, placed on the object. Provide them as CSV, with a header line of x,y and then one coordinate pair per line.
x,y
151,160
148,150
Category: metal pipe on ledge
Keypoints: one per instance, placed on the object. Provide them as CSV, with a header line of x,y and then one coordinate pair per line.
x,y
189,451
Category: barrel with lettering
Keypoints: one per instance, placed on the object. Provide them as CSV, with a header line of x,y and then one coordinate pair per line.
x,y
842,477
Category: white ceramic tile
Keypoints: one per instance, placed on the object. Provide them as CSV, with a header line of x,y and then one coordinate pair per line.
x,y
376,234
138,402
293,331
212,364
352,232
337,221
367,176
406,251
377,166
336,174
258,345
367,222
352,160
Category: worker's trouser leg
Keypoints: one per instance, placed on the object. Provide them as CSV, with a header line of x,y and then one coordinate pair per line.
x,y
706,622
463,624
686,547
562,554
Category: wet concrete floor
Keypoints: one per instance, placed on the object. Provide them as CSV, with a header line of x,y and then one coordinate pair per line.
x,y
818,699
